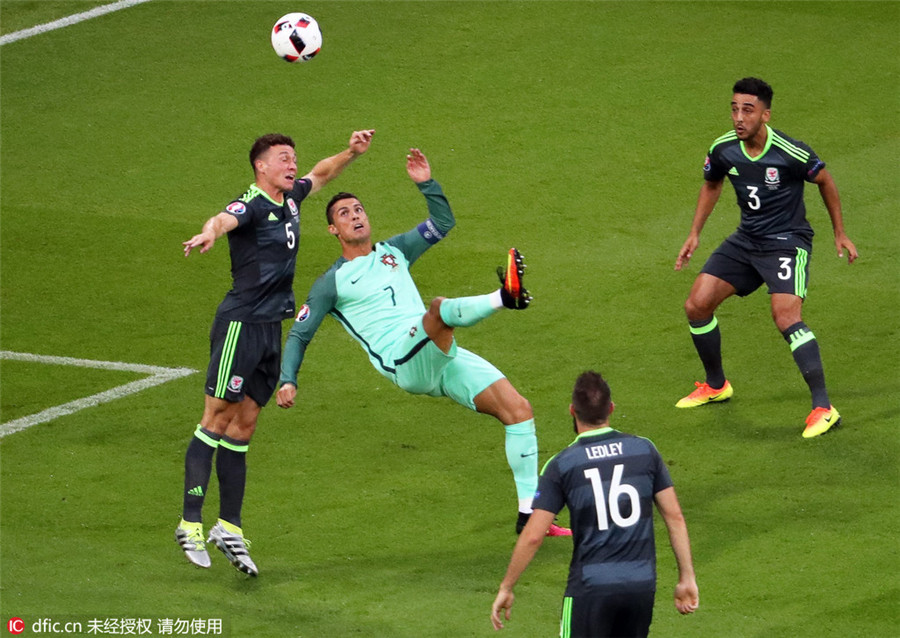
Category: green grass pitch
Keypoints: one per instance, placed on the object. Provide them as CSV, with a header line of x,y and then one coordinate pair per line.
x,y
575,131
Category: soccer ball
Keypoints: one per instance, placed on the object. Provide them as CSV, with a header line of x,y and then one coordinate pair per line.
x,y
296,37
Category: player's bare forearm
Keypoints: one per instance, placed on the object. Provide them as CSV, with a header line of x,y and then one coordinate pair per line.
x,y
213,228
329,168
527,545
529,542
832,200
687,597
706,202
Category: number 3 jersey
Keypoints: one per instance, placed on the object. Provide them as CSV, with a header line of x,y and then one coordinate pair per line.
x,y
263,255
769,187
608,480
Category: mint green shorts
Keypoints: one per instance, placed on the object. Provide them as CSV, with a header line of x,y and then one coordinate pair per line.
x,y
461,375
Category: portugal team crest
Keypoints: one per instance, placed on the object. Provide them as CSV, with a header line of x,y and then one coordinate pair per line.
x,y
389,260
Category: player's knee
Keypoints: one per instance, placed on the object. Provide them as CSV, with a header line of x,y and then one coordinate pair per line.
x,y
695,309
242,427
519,408
690,308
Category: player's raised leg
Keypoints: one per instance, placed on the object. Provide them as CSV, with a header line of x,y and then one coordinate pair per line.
x,y
467,311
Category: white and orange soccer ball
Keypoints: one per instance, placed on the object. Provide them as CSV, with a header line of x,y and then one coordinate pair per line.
x,y
296,37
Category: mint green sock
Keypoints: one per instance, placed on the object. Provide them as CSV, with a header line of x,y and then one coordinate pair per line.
x,y
467,311
522,456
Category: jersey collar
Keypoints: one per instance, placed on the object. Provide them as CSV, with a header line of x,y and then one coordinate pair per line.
x,y
765,148
256,190
592,433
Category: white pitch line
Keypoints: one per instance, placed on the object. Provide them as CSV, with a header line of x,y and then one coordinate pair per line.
x,y
158,375
90,363
68,20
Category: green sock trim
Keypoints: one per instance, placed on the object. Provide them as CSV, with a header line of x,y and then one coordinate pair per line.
x,y
702,330
203,436
234,446
800,337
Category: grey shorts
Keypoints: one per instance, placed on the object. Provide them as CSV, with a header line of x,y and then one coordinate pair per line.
x,y
244,359
784,269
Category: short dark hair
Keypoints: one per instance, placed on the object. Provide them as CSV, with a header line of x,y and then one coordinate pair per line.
x,y
591,398
757,87
265,142
333,201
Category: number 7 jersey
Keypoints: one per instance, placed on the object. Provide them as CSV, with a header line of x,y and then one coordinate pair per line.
x,y
373,296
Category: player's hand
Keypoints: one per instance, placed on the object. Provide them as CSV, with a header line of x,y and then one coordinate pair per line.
x,y
204,241
686,252
360,140
417,166
687,598
286,395
843,242
503,601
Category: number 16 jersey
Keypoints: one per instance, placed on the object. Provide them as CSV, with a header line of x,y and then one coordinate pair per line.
x,y
607,479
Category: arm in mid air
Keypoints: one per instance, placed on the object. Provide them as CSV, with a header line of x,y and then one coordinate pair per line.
x,y
327,169
214,228
440,217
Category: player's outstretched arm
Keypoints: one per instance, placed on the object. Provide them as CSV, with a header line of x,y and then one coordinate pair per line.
x,y
214,228
417,166
330,167
529,542
687,596
832,199
706,202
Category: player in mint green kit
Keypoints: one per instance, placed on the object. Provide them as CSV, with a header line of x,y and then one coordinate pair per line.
x,y
370,292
